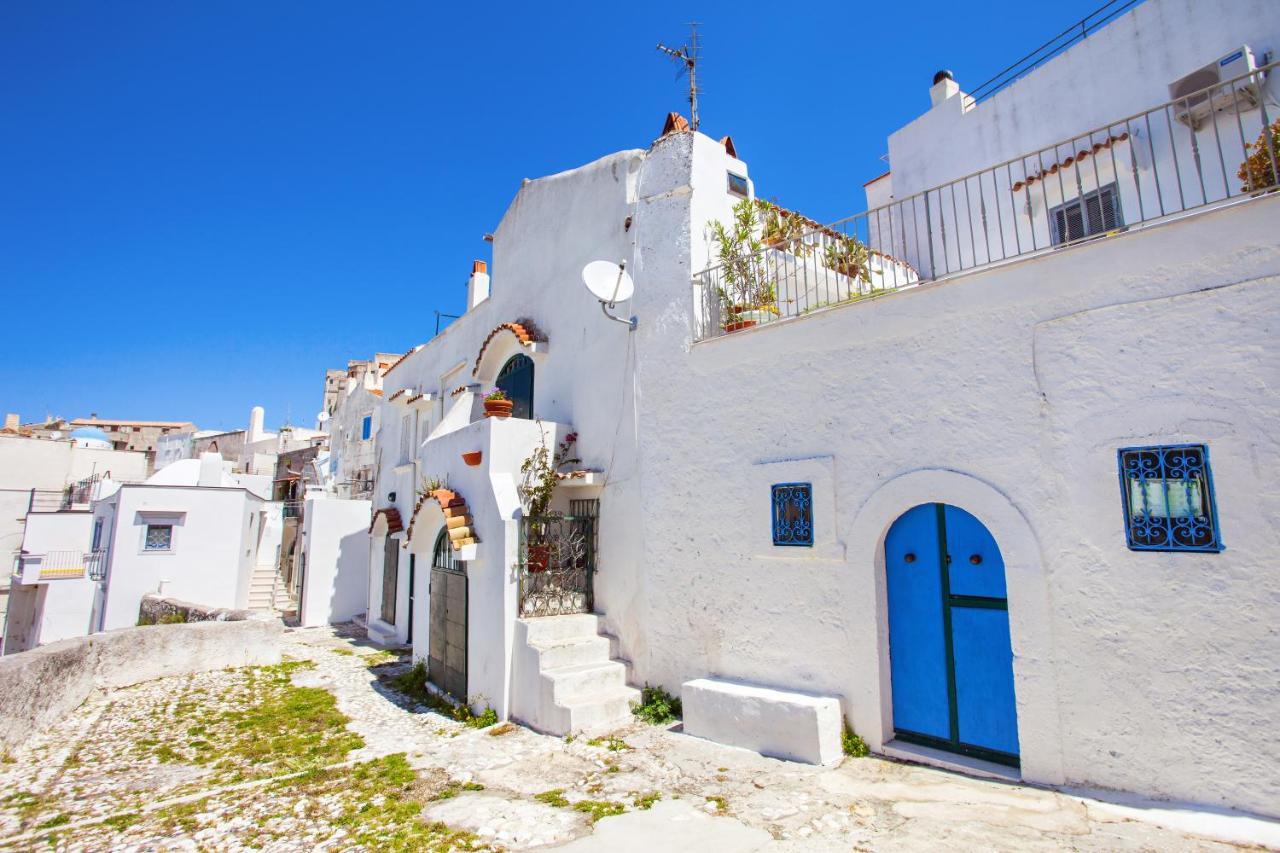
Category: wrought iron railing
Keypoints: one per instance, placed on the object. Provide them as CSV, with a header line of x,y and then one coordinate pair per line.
x,y
557,565
291,509
1206,149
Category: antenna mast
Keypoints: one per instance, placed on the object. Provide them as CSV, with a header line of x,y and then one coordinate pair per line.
x,y
688,57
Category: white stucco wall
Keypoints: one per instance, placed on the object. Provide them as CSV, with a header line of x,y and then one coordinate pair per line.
x,y
335,541
1120,70
65,606
1005,392
33,463
212,556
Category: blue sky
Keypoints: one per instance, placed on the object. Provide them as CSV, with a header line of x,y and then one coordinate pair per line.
x,y
204,205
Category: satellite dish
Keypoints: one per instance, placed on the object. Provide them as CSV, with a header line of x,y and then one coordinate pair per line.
x,y
609,283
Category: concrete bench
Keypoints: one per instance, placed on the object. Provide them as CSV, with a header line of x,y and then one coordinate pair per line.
x,y
772,722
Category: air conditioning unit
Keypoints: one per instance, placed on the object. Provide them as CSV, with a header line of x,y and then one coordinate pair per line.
x,y
1210,89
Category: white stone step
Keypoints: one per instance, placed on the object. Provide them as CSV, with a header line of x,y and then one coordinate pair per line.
x,y
570,652
549,629
583,681
601,713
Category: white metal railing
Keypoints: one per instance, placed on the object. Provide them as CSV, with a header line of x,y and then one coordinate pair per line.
x,y
1205,149
60,565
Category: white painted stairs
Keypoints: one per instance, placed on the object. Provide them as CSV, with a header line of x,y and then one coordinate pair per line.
x,y
572,683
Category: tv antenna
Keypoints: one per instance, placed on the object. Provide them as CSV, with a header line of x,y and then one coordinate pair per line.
x,y
688,57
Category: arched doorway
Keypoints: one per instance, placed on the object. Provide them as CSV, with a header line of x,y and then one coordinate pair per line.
x,y
951,661
447,640
516,379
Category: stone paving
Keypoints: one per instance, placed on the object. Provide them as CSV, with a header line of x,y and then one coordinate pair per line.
x,y
158,767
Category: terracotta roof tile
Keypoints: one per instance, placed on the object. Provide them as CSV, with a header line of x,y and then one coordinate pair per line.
x,y
675,123
1074,158
457,516
524,330
394,524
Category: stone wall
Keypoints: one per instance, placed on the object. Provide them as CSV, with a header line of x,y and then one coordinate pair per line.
x,y
156,610
45,684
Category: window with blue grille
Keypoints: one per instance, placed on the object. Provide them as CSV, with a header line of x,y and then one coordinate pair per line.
x,y
793,514
1168,498
366,427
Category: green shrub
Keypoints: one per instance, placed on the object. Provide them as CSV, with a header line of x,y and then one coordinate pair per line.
x,y
657,706
852,744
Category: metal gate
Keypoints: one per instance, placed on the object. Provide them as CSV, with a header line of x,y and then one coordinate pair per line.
x,y
447,640
557,563
951,660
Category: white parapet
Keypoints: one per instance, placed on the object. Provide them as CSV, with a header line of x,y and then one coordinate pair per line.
x,y
772,722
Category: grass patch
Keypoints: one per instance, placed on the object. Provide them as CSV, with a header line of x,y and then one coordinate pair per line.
x,y
596,809
852,744
657,707
381,658
504,729
722,804
611,743
56,820
122,822
272,727
487,717
644,802
554,797
412,683
346,653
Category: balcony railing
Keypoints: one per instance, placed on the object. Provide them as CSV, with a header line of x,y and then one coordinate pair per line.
x,y
60,565
1206,149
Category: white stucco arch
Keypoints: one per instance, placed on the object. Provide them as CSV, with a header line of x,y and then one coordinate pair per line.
x,y
1030,626
498,348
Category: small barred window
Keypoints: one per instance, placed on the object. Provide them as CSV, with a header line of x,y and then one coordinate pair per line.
x,y
1168,498
793,514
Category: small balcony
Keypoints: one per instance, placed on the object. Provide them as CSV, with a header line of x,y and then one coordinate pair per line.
x,y
1209,148
60,565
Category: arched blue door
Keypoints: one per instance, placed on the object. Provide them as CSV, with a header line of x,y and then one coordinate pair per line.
x,y
949,650
516,378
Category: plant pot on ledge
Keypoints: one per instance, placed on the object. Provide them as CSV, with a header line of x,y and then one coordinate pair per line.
x,y
472,457
498,408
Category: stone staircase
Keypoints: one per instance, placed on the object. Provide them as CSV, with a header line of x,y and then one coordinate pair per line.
x,y
268,592
576,684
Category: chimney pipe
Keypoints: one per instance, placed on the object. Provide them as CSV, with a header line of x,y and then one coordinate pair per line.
x,y
12,421
944,87
478,284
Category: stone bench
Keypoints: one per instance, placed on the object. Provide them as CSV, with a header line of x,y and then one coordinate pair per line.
x,y
772,722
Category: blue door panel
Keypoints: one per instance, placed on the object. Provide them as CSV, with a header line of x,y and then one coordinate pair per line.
x,y
984,678
976,565
917,645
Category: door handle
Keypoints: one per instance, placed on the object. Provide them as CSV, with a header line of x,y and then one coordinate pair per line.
x,y
910,558
976,559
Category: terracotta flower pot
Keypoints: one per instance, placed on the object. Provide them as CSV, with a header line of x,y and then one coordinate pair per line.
x,y
738,324
539,557
472,457
498,408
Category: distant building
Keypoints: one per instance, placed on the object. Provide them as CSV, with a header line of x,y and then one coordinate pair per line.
x,y
142,436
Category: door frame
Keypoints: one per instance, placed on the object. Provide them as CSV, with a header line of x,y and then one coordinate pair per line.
x,y
864,587
949,601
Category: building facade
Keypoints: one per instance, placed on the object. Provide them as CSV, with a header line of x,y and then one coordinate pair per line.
x,y
988,463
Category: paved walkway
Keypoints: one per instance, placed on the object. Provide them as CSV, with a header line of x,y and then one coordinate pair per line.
x,y
676,792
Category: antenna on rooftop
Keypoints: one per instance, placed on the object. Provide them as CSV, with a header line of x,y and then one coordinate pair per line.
x,y
688,57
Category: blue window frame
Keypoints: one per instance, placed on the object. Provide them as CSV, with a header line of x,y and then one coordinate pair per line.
x,y
1167,497
366,427
793,514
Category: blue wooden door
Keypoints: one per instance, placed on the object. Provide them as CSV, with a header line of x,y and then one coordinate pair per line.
x,y
950,655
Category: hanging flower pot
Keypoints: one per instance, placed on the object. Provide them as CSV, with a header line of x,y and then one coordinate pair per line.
x,y
472,457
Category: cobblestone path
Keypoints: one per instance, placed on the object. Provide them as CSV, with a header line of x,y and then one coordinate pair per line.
x,y
265,759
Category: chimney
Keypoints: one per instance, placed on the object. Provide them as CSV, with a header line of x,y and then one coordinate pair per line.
x,y
12,422
478,284
256,416
944,87
210,469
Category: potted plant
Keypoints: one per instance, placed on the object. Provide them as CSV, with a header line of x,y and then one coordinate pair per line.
x,y
747,295
1258,171
849,257
540,472
472,457
497,404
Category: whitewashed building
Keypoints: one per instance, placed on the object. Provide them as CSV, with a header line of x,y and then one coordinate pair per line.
x,y
990,465
352,423
192,531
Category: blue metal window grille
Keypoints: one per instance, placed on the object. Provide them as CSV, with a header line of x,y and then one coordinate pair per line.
x,y
1167,493
793,514
366,427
